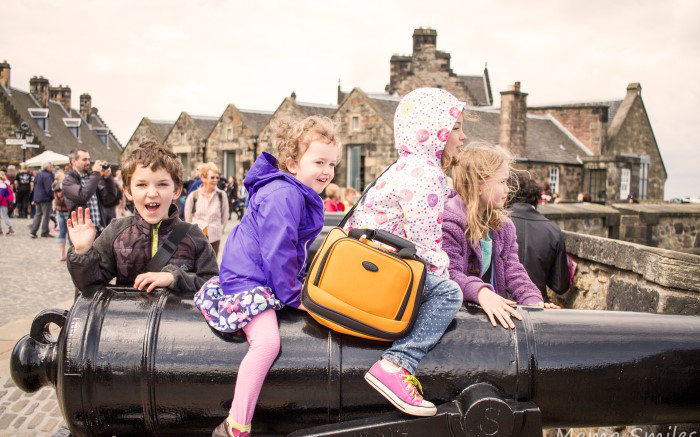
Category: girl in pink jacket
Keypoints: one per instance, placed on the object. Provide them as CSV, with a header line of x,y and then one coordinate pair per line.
x,y
408,200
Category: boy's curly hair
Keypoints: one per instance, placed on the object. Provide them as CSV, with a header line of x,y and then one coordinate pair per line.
x,y
155,156
293,136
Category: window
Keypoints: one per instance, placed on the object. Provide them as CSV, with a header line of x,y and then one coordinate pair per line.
x,y
554,179
183,138
229,164
356,168
102,133
597,184
355,123
183,159
73,125
643,177
229,134
625,177
41,117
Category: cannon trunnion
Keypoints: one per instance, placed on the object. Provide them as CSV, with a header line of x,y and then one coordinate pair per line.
x,y
135,364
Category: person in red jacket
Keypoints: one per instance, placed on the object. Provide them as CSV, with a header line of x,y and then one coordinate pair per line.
x,y
332,202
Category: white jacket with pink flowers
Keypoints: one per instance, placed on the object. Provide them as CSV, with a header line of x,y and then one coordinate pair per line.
x,y
409,199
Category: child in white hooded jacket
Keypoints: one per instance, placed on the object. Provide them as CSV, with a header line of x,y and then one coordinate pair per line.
x,y
408,200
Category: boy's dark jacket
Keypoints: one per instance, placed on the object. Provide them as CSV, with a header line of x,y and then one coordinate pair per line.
x,y
124,249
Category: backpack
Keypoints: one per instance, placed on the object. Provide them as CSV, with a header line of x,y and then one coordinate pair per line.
x,y
195,196
4,189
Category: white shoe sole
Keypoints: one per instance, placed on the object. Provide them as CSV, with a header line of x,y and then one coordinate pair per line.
x,y
396,401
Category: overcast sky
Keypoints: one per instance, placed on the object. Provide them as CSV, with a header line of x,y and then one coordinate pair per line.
x,y
159,58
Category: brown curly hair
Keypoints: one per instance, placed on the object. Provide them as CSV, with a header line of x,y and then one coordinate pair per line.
x,y
293,136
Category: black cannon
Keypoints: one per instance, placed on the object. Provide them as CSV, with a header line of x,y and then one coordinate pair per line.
x,y
136,364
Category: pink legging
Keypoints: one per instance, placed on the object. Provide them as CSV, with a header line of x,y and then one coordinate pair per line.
x,y
264,339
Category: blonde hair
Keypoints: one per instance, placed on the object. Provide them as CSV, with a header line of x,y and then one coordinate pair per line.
x,y
293,136
205,168
332,191
2,176
474,165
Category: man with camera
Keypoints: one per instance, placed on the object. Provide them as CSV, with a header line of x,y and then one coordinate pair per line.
x,y
89,186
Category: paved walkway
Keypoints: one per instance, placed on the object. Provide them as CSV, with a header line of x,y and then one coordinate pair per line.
x,y
33,279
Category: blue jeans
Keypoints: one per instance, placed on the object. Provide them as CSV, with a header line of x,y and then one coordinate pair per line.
x,y
442,299
62,226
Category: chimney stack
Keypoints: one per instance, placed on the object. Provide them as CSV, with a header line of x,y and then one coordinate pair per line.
x,y
85,106
513,125
5,74
61,94
293,96
39,88
423,38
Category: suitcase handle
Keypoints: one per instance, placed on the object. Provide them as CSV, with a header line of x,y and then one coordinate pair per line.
x,y
406,249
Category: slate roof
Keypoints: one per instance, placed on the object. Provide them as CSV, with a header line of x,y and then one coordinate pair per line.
x,y
612,105
59,138
387,104
256,119
477,88
546,139
205,123
317,109
161,128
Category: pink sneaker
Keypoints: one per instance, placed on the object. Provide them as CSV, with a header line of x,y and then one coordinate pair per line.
x,y
401,389
226,430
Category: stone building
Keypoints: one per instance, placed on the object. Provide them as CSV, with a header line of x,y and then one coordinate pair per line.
x,y
188,139
148,130
290,107
625,159
56,125
366,127
232,144
429,67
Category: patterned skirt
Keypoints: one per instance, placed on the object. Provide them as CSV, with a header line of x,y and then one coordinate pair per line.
x,y
230,313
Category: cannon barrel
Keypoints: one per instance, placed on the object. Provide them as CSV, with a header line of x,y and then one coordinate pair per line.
x,y
136,364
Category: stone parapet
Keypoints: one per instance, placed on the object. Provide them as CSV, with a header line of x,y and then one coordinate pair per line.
x,y
586,218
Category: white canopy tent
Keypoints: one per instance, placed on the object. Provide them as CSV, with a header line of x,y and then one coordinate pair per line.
x,y
48,156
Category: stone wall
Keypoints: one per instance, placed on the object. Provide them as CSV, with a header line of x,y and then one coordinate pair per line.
x,y
9,154
621,276
232,135
667,226
373,135
570,177
585,218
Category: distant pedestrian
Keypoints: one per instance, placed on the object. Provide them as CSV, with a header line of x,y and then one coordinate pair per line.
x,y
332,201
207,206
7,196
59,205
10,174
42,198
349,198
24,185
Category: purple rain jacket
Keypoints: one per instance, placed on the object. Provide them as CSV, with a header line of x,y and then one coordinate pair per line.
x,y
509,275
269,247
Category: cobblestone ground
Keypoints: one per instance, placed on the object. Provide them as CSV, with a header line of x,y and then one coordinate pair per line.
x,y
33,279
30,268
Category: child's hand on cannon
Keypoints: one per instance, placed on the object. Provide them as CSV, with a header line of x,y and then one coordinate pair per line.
x,y
497,307
546,305
81,230
152,280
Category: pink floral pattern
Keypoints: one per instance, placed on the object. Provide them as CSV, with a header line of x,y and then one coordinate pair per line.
x,y
408,200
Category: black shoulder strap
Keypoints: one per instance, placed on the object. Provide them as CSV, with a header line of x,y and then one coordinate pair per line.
x,y
352,210
166,251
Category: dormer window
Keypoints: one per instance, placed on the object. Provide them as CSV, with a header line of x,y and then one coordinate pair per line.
x,y
102,133
41,117
73,125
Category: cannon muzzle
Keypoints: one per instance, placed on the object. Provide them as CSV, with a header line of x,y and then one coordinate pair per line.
x,y
133,364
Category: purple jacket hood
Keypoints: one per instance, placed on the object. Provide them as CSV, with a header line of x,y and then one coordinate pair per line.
x,y
509,276
269,247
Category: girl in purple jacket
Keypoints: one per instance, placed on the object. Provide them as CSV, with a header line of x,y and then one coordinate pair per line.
x,y
264,258
480,240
